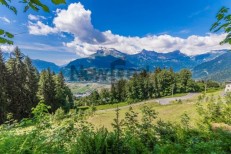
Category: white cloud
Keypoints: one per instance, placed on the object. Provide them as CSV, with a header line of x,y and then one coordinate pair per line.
x,y
6,20
35,47
35,17
39,28
44,47
76,20
7,48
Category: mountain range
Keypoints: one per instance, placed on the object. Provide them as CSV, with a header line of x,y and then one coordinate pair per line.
x,y
103,59
212,65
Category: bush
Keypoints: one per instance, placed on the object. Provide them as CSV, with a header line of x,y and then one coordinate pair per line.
x,y
130,135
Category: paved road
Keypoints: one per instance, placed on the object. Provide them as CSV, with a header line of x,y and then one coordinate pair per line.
x,y
162,101
165,101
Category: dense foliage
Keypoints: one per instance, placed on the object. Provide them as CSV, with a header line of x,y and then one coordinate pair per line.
x,y
22,87
70,133
144,85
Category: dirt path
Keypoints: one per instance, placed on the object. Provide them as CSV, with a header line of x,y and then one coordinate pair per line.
x,y
162,101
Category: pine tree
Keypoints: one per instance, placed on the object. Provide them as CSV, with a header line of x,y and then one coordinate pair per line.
x,y
94,98
46,90
104,96
63,95
133,88
16,85
31,85
113,93
121,90
3,89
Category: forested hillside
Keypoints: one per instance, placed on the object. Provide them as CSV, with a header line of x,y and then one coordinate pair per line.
x,y
23,87
143,86
217,69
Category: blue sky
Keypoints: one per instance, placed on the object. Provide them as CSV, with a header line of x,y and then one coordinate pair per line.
x,y
79,28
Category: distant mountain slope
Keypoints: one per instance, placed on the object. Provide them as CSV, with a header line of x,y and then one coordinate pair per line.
x,y
108,52
97,62
208,56
41,65
38,64
103,58
218,69
152,59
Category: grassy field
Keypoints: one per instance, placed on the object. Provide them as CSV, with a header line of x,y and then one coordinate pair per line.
x,y
171,112
109,106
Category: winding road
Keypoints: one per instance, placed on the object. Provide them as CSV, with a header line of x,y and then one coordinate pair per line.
x,y
162,101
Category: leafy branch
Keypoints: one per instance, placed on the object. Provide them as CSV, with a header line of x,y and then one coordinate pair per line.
x,y
223,23
5,36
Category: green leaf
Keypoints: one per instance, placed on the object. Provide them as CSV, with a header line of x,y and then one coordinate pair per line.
x,y
13,9
9,35
228,30
38,3
26,8
31,5
2,32
220,16
45,8
224,10
59,2
5,41
214,26
221,27
227,18
3,2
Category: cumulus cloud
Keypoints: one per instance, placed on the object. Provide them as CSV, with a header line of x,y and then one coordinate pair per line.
x,y
39,28
76,20
4,19
7,48
35,17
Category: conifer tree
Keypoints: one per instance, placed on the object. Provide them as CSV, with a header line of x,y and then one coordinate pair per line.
x,y
63,95
46,90
105,96
3,89
31,85
16,85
